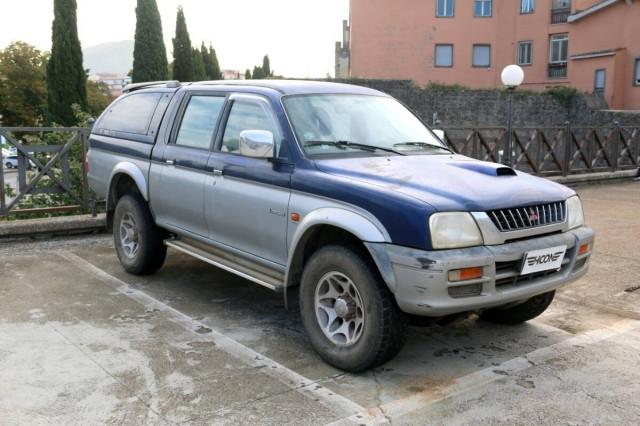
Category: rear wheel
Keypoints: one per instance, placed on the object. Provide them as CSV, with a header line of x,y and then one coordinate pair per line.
x,y
521,312
348,312
137,239
9,165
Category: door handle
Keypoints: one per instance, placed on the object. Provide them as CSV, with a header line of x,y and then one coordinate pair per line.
x,y
169,162
217,172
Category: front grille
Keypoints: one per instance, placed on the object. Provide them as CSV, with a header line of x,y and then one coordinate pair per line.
x,y
508,273
517,218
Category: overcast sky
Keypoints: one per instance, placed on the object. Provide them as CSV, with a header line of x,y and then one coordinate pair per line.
x,y
298,35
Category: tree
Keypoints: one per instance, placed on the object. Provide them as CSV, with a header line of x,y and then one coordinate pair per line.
x,y
23,85
199,71
211,63
98,97
247,74
149,52
266,67
258,73
66,78
182,54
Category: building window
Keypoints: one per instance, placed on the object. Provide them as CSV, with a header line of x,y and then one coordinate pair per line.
x,y
483,8
558,53
636,74
481,55
600,79
560,11
444,55
445,8
525,53
527,6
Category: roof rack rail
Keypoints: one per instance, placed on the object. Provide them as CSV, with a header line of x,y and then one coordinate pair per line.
x,y
171,84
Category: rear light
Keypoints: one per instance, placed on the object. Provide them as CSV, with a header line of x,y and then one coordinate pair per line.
x,y
584,249
465,274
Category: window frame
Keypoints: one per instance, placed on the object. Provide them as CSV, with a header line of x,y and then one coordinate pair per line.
x,y
149,135
184,104
473,51
565,37
597,89
520,44
530,10
435,55
446,2
636,72
255,98
490,15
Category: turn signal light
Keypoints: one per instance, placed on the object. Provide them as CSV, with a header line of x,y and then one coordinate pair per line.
x,y
465,274
584,249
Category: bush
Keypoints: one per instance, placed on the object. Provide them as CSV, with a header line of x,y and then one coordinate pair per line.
x,y
562,94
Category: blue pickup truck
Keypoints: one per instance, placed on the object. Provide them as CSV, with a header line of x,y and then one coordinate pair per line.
x,y
337,196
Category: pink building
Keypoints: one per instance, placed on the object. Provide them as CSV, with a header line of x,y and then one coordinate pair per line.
x,y
592,45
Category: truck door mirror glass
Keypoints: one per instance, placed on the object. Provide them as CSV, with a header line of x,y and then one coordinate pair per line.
x,y
257,143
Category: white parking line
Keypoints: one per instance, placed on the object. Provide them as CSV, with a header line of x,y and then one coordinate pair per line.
x,y
336,403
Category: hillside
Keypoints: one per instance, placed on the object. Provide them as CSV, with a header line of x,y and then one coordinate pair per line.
x,y
115,57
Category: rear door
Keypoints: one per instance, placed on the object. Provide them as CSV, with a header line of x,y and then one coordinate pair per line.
x,y
247,198
178,195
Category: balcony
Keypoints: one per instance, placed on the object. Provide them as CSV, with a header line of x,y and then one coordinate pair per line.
x,y
558,70
560,15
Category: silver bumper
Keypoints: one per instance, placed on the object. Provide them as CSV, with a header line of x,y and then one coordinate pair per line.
x,y
419,279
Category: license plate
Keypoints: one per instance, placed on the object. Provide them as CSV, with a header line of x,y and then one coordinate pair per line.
x,y
543,260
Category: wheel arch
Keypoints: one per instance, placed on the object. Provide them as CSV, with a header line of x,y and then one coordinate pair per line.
x,y
126,178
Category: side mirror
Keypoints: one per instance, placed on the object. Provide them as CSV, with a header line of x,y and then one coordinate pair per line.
x,y
439,133
256,143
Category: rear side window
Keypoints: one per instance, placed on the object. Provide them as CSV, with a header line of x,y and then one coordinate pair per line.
x,y
199,121
131,114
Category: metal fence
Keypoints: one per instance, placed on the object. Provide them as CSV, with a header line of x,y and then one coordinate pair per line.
x,y
553,150
47,171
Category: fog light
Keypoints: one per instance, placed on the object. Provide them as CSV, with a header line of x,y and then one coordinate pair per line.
x,y
465,274
584,249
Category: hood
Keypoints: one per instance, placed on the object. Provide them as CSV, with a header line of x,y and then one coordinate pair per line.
x,y
449,182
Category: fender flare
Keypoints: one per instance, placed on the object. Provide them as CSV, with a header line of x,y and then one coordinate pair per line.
x,y
134,172
366,229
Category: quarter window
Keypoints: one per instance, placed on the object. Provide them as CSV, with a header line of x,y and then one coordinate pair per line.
x,y
558,49
246,115
481,55
600,80
445,8
199,121
525,53
444,55
527,6
131,114
482,7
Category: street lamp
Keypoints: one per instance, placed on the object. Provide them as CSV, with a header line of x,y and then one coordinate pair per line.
x,y
512,77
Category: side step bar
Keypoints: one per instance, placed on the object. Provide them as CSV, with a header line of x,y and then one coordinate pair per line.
x,y
273,280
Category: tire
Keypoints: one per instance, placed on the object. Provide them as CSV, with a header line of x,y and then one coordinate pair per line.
x,y
138,241
519,313
9,165
382,330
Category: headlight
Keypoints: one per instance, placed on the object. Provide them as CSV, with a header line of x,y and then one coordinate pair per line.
x,y
454,230
575,216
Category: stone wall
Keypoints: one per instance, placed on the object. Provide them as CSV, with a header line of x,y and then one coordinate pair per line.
x,y
460,107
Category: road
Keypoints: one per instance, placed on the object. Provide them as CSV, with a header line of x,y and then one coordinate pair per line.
x,y
11,179
83,342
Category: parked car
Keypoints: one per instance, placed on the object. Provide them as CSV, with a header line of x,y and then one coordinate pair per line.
x,y
11,162
338,194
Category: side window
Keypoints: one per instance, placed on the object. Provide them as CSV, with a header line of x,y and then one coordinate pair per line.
x,y
247,115
131,114
199,121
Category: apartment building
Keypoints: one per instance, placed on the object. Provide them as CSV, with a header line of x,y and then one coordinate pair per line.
x,y
592,45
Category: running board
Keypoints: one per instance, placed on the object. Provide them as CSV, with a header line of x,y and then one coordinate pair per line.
x,y
273,280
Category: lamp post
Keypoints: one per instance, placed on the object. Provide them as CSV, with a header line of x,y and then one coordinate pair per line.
x,y
512,77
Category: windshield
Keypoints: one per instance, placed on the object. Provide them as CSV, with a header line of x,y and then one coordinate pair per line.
x,y
372,125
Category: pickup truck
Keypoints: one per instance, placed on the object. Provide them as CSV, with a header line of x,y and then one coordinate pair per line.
x,y
340,198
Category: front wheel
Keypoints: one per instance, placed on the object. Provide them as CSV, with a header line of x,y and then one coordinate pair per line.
x,y
137,239
519,313
348,312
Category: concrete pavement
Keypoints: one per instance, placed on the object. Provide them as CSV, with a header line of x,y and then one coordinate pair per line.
x,y
83,342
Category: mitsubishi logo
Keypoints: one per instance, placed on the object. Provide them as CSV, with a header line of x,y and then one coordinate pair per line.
x,y
533,216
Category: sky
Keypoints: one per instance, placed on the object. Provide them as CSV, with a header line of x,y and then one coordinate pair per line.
x,y
298,35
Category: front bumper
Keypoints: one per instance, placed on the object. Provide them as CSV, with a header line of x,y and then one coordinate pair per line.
x,y
419,279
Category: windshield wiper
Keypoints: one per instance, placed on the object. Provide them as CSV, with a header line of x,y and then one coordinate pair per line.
x,y
349,144
423,145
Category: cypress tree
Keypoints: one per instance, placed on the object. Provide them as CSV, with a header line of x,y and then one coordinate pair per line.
x,y
258,73
247,75
266,67
213,66
199,71
66,78
182,54
149,53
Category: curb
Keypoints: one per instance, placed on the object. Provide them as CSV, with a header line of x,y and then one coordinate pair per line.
x,y
62,225
596,178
